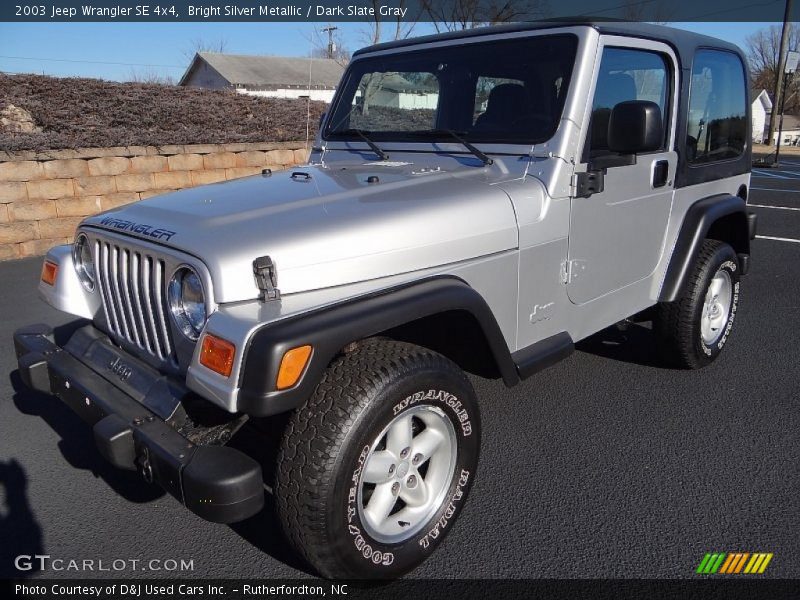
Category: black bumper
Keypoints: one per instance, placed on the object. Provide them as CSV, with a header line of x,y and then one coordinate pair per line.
x,y
217,483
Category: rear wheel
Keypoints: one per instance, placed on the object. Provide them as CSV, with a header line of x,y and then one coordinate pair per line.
x,y
375,468
693,330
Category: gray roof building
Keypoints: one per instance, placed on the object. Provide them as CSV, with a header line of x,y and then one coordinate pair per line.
x,y
216,71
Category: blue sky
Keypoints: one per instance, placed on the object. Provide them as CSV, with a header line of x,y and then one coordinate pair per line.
x,y
81,49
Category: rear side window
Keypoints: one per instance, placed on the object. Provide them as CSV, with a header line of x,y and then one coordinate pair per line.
x,y
717,124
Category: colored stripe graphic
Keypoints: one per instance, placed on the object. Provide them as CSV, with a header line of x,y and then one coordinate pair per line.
x,y
701,568
717,563
729,563
765,563
740,564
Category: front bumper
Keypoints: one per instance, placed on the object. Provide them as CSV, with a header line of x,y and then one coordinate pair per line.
x,y
131,410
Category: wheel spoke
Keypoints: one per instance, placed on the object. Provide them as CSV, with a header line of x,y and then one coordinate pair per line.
x,y
426,444
381,503
377,468
715,287
416,496
399,436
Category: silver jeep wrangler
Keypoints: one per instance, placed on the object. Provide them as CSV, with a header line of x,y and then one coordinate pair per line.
x,y
476,201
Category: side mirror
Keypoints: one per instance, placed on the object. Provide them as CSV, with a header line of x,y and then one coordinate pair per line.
x,y
635,126
322,119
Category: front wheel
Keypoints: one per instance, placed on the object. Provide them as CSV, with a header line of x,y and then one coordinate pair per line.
x,y
377,465
693,330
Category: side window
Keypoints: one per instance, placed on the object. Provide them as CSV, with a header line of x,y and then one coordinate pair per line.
x,y
717,123
626,74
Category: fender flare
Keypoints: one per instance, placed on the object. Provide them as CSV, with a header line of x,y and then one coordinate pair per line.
x,y
331,328
695,227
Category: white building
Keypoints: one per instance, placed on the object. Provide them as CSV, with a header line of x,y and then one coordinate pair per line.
x,y
790,132
761,109
268,76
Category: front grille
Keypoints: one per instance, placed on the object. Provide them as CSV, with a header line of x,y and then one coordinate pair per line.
x,y
134,296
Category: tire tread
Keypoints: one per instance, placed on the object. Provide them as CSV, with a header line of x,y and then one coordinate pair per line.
x,y
316,431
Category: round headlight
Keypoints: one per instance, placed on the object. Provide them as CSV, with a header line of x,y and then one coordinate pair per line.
x,y
187,302
82,259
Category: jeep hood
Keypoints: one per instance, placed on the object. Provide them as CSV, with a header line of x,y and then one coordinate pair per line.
x,y
326,225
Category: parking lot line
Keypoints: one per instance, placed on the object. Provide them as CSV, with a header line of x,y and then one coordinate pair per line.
x,y
778,207
763,189
764,174
777,239
774,175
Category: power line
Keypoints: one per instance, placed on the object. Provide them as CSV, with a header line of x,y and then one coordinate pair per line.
x,y
741,7
94,62
626,5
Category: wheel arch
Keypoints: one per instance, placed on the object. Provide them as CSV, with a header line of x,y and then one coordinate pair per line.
x,y
721,217
426,312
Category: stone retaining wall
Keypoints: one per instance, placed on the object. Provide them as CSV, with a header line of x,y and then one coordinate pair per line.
x,y
44,195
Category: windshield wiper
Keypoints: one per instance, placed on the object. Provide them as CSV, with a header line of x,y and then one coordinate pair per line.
x,y
484,158
373,146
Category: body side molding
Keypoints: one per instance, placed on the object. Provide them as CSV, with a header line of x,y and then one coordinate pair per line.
x,y
543,354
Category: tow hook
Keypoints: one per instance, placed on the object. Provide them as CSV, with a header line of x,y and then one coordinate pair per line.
x,y
145,468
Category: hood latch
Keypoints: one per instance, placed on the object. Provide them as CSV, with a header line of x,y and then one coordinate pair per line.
x,y
266,278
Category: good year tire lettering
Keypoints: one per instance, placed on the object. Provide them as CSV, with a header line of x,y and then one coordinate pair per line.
x,y
439,396
365,550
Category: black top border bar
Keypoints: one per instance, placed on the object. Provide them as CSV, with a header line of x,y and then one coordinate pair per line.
x,y
450,14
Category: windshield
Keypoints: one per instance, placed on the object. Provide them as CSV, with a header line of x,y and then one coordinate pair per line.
x,y
509,91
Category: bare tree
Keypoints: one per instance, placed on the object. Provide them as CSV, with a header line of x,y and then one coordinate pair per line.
x,y
319,46
763,54
197,45
150,75
652,11
455,15
379,30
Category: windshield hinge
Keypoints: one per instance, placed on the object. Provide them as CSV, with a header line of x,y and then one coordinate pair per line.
x,y
587,183
266,278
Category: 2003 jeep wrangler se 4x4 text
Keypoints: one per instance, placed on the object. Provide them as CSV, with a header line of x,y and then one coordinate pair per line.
x,y
475,201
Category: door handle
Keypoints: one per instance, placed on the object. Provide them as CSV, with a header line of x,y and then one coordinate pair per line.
x,y
660,173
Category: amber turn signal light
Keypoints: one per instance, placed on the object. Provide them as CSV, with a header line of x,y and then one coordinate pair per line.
x,y
49,272
293,364
217,354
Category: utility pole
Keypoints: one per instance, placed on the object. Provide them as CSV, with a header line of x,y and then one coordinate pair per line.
x,y
331,46
779,76
791,61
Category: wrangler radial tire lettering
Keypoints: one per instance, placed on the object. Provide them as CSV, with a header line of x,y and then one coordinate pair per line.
x,y
348,429
692,330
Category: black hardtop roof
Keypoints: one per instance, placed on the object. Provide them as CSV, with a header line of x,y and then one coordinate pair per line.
x,y
684,42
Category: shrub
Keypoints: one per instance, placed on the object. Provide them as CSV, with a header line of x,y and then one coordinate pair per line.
x,y
80,112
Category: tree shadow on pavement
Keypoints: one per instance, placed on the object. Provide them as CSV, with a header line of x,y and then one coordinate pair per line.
x,y
20,533
77,443
633,343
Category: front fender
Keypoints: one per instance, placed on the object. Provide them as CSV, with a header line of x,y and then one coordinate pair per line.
x,y
68,294
330,329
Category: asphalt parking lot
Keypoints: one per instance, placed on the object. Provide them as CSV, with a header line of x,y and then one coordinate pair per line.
x,y
606,465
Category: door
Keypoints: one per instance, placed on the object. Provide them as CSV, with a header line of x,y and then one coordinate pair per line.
x,y
617,234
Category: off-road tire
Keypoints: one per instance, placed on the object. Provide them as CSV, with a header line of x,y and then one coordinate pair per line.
x,y
677,324
325,443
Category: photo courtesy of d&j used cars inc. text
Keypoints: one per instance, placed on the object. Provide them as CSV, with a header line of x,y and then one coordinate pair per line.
x,y
389,299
